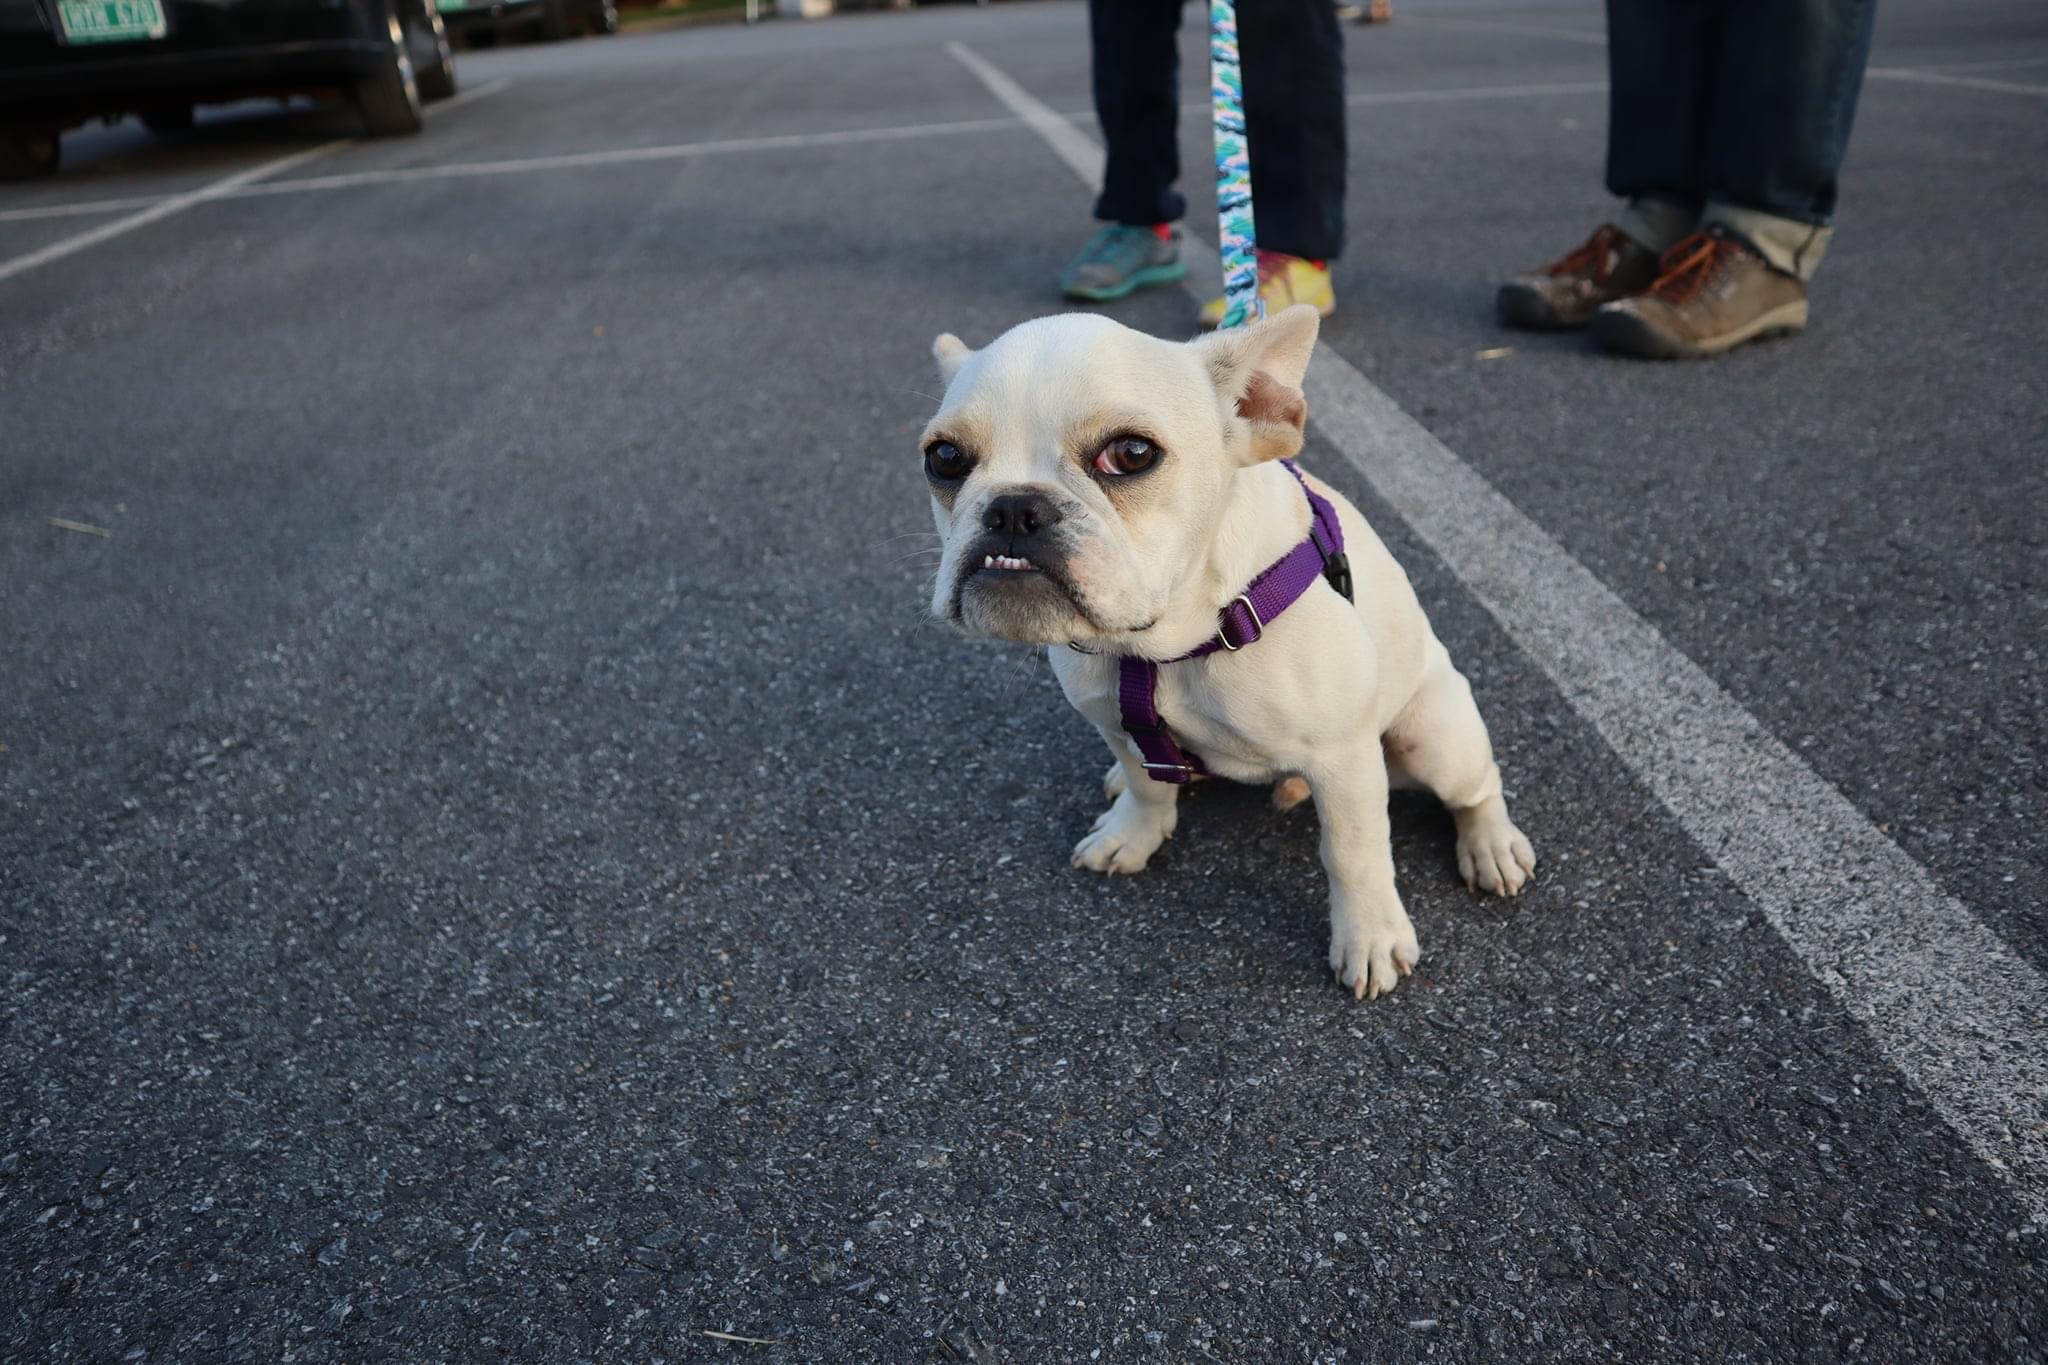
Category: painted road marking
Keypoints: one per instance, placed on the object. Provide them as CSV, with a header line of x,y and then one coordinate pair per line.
x,y
177,203
1961,1015
685,150
1937,74
81,210
223,188
1919,76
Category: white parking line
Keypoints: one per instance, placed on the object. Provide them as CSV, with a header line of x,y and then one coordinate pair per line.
x,y
481,92
461,170
81,210
1455,94
1568,35
156,208
1919,76
683,150
627,156
1937,74
1450,94
1075,147
1996,64
1961,1015
177,203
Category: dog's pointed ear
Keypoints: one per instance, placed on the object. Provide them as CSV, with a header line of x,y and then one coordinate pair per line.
x,y
951,353
1257,371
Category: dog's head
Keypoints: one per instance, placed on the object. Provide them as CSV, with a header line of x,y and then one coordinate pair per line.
x,y
1077,467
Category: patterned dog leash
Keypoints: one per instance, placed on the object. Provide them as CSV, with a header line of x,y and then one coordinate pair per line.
x,y
1236,240
1321,555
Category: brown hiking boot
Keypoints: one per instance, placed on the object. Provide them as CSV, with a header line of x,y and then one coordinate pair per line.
x,y
1712,292
1566,292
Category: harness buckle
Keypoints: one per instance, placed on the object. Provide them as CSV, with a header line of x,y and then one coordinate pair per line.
x,y
1337,569
1258,626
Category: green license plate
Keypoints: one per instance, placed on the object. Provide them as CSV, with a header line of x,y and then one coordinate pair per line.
x,y
451,6
111,21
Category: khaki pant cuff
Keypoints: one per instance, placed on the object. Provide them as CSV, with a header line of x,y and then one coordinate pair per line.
x,y
1658,224
1792,247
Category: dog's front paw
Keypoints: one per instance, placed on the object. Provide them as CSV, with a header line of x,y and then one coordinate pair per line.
x,y
1370,953
1125,836
1492,854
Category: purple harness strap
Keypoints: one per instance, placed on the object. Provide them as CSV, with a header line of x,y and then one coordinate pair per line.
x,y
1239,624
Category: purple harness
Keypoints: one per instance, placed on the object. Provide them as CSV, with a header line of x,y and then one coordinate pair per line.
x,y
1239,624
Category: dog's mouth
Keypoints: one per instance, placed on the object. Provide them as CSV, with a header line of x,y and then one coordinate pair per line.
x,y
1012,596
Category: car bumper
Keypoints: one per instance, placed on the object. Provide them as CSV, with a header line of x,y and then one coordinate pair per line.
x,y
213,50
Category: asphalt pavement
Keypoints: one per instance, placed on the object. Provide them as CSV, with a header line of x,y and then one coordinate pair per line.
x,y
495,863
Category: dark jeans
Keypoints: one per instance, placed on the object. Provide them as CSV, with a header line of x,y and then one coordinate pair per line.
x,y
1293,57
1741,102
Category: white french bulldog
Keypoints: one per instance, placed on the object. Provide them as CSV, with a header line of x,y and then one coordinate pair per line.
x,y
1098,488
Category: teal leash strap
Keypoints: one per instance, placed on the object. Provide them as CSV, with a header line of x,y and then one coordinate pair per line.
x,y
1237,242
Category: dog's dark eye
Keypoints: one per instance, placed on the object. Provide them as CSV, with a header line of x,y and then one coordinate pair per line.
x,y
1126,455
946,462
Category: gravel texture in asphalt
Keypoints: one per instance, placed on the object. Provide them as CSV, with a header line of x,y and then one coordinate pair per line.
x,y
495,863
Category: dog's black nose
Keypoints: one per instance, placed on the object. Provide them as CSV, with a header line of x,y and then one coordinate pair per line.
x,y
1019,514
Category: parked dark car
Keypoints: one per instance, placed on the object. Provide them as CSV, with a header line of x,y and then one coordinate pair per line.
x,y
549,20
67,62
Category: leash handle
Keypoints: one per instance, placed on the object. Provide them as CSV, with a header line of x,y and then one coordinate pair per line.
x,y
1237,242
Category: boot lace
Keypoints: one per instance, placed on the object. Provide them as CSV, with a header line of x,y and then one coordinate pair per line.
x,y
1595,260
1688,267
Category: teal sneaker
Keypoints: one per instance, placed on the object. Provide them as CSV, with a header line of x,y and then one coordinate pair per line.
x,y
1119,259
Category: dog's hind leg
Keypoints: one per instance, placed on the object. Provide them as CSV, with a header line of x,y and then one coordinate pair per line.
x,y
1289,792
1440,742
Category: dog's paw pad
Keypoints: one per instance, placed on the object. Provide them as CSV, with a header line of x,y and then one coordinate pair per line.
x,y
1495,857
1371,960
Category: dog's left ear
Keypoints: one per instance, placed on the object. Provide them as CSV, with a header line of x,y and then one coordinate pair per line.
x,y
951,353
1257,370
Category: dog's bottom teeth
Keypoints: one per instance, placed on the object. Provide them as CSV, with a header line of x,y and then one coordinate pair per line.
x,y
1009,562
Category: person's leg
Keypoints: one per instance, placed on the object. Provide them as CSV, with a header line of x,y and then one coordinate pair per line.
x,y
1292,52
1136,66
1659,106
1660,98
1137,100
1788,75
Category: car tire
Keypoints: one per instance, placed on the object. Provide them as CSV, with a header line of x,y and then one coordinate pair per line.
x,y
389,98
433,58
29,153
169,120
604,19
554,21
